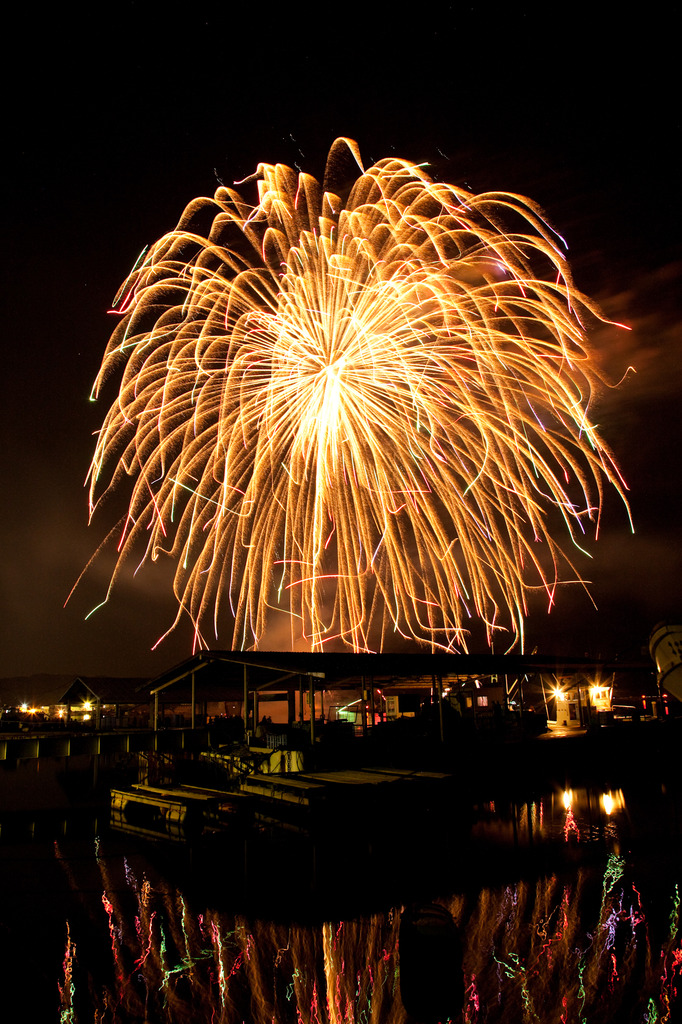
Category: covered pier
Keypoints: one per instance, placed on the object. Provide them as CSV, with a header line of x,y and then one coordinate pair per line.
x,y
315,687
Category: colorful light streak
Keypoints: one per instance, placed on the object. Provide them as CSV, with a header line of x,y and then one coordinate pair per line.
x,y
542,950
372,413
592,968
66,987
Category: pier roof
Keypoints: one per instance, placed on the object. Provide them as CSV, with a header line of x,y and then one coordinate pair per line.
x,y
216,671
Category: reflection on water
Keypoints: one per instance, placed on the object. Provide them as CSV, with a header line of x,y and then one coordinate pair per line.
x,y
171,963
593,943
568,951
575,816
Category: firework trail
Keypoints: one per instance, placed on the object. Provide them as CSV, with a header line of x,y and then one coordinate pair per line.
x,y
366,408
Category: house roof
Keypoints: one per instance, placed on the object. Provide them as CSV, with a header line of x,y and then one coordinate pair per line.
x,y
46,690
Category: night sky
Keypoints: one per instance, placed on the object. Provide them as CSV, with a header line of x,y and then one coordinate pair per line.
x,y
113,125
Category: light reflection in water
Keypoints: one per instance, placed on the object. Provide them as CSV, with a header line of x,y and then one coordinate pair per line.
x,y
573,815
579,948
542,955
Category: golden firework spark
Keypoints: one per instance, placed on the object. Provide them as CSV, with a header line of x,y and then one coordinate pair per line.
x,y
364,411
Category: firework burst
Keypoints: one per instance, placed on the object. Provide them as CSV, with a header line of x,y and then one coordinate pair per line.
x,y
367,408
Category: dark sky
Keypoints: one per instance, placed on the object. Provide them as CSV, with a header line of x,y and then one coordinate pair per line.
x,y
113,124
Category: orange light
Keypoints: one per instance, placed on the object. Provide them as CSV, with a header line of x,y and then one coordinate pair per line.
x,y
612,801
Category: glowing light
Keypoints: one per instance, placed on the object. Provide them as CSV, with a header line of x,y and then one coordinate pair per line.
x,y
368,413
613,801
568,798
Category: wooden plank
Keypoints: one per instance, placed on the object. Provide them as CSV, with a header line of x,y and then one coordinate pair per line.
x,y
284,781
346,778
408,773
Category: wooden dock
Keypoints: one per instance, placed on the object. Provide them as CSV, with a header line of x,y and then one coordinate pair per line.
x,y
298,802
175,812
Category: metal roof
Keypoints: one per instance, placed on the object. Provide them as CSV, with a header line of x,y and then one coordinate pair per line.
x,y
220,671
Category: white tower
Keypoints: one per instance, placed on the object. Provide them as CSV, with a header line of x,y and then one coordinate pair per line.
x,y
665,647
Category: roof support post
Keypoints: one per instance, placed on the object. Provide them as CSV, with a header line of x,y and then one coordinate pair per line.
x,y
312,709
245,703
156,711
581,716
438,684
372,716
363,708
194,707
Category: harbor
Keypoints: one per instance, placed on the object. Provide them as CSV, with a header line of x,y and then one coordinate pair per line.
x,y
553,892
302,850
